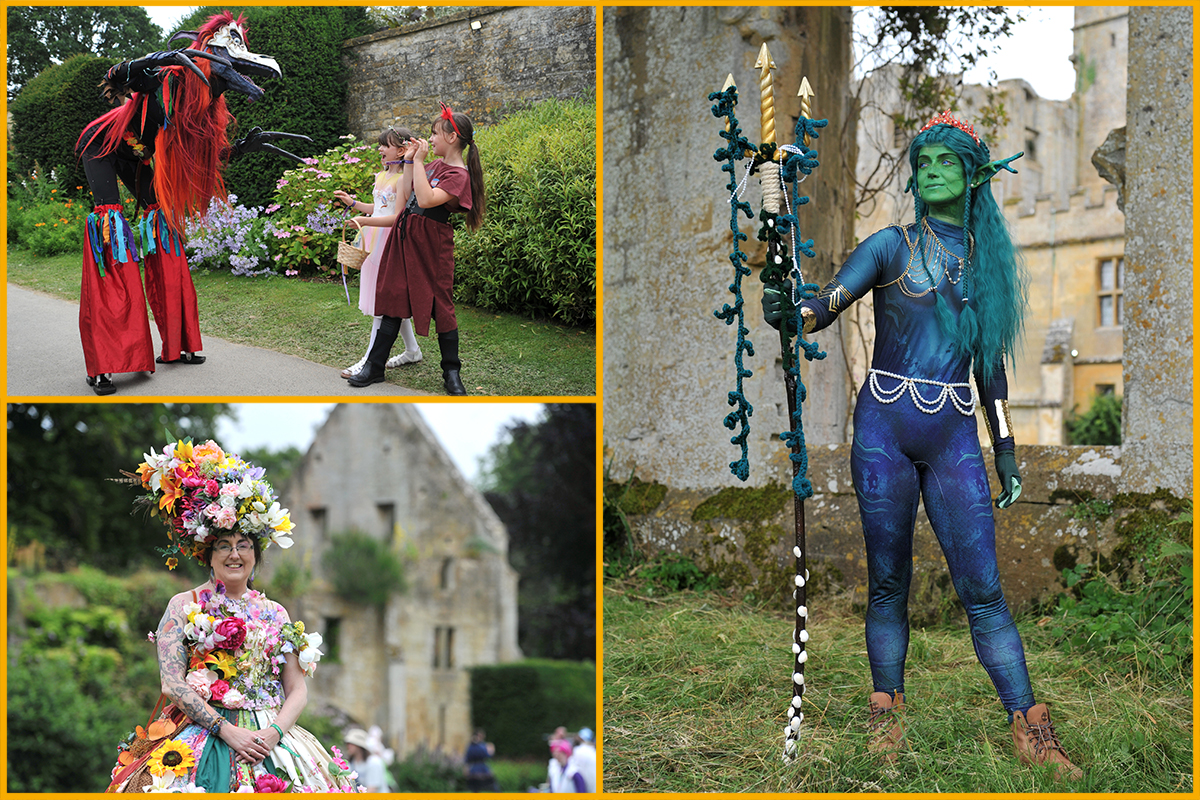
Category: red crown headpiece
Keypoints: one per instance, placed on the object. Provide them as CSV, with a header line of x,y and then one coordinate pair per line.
x,y
944,118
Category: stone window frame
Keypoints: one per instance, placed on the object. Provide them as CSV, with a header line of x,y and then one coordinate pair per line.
x,y
1113,293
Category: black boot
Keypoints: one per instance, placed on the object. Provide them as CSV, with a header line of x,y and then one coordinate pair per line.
x,y
101,384
448,342
373,370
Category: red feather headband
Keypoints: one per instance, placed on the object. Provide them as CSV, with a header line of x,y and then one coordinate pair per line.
x,y
448,113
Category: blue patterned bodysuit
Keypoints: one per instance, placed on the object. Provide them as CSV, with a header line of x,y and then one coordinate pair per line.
x,y
903,454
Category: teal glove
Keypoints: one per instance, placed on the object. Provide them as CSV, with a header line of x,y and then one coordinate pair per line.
x,y
777,304
1010,478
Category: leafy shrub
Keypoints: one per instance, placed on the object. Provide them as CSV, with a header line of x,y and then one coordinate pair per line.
x,y
1101,425
536,251
363,569
518,704
50,113
1139,606
308,220
677,573
428,771
51,229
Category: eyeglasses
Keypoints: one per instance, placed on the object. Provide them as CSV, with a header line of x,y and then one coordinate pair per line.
x,y
225,548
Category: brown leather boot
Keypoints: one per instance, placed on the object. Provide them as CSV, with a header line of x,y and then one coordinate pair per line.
x,y
887,729
1037,743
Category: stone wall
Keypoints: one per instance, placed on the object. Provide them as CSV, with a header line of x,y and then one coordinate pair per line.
x,y
668,362
748,540
1157,425
517,56
379,469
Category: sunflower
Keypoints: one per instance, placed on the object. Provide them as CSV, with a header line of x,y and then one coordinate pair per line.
x,y
173,756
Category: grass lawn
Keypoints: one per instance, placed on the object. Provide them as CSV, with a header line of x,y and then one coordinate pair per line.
x,y
696,686
503,354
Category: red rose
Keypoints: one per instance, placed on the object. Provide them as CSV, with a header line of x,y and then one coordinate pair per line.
x,y
218,689
269,783
234,631
212,488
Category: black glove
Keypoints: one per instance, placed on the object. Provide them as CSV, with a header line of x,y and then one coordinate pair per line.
x,y
1010,478
142,74
257,141
777,305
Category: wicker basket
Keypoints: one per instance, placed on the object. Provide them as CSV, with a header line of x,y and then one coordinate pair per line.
x,y
349,255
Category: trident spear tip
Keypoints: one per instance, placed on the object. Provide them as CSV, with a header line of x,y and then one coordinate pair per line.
x,y
805,89
764,59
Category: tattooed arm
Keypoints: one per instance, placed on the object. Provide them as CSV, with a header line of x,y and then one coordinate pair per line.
x,y
173,667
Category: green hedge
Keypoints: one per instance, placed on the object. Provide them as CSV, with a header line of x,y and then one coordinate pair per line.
x,y
536,252
518,704
50,113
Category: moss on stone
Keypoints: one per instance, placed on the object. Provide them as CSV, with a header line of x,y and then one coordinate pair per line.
x,y
636,496
751,504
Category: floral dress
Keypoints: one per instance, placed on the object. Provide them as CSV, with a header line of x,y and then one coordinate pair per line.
x,y
235,655
373,239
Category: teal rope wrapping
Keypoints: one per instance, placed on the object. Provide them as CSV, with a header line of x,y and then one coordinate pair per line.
x,y
734,152
804,161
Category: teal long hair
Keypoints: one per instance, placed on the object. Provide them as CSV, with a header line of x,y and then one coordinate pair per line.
x,y
991,322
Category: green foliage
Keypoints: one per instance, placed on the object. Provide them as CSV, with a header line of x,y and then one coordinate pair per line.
x,y
50,113
1136,606
1101,425
541,482
50,229
676,573
362,568
310,98
279,464
79,679
60,456
38,36
747,503
305,213
518,704
619,549
536,251
518,776
428,771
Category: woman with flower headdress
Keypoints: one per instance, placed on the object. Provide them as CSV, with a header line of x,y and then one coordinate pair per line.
x,y
949,295
385,200
232,663
416,272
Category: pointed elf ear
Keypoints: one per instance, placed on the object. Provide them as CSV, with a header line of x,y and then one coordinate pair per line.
x,y
988,170
909,186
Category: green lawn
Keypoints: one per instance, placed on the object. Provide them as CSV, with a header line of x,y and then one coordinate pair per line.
x,y
696,686
503,355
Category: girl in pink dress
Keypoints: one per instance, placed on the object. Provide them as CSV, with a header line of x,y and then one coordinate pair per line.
x,y
392,143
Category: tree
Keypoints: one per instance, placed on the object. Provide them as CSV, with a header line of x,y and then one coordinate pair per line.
x,y
930,47
59,457
541,481
39,36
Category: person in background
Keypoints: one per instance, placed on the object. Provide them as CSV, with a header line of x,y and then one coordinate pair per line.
x,y
563,775
372,775
584,755
479,774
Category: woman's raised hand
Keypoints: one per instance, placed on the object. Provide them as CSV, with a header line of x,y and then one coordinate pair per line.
x,y
251,746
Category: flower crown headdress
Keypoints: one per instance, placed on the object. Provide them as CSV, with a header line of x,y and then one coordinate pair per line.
x,y
201,492
945,118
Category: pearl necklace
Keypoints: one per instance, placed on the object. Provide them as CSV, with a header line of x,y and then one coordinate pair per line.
x,y
948,390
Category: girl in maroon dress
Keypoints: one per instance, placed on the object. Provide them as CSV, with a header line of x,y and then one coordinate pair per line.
x,y
416,271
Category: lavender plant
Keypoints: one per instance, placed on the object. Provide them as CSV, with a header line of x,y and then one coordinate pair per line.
x,y
233,237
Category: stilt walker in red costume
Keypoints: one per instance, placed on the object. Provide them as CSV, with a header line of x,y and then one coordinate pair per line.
x,y
168,143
